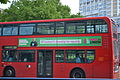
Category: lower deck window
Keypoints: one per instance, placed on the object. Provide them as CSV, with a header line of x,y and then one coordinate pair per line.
x,y
26,56
18,56
75,56
9,56
60,56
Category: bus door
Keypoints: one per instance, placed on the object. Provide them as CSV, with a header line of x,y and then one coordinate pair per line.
x,y
44,64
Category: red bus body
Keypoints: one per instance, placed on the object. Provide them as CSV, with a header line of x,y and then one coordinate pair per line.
x,y
102,67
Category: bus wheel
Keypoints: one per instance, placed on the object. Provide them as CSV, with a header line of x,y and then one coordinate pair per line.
x,y
9,72
77,73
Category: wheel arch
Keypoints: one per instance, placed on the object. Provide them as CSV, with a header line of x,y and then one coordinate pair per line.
x,y
78,69
8,67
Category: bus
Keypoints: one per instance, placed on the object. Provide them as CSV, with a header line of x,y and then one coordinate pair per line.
x,y
59,48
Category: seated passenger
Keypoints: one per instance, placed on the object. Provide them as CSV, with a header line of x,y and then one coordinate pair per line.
x,y
78,60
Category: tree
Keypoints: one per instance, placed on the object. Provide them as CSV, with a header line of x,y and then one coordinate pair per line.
x,y
78,15
22,10
4,1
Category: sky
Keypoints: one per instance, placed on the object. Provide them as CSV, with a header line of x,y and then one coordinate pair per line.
x,y
73,4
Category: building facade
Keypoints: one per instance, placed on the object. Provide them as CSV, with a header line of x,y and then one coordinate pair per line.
x,y
95,8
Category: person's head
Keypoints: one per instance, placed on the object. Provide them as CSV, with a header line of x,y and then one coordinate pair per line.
x,y
77,55
33,39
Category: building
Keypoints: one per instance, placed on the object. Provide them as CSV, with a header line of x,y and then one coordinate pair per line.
x,y
94,8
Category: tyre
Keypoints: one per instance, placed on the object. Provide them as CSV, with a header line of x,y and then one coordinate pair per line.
x,y
9,72
77,73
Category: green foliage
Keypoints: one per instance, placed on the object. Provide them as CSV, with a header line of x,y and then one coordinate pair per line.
x,y
22,10
76,15
4,1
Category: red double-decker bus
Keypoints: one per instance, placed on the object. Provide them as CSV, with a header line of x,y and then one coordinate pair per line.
x,y
59,48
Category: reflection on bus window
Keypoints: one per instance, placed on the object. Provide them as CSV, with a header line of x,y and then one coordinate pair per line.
x,y
59,28
90,29
10,30
45,28
101,29
90,56
60,56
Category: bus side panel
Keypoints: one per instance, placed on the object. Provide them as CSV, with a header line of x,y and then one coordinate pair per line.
x,y
103,63
59,70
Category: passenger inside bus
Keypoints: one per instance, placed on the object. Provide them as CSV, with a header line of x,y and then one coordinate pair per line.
x,y
79,58
11,56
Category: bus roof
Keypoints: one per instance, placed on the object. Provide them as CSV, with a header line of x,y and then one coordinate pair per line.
x,y
54,20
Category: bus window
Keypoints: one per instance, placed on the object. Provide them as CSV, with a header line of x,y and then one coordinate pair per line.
x,y
10,30
101,26
70,28
90,56
101,29
80,56
115,49
9,56
80,29
70,56
90,26
26,56
59,28
45,28
90,29
26,29
60,56
75,56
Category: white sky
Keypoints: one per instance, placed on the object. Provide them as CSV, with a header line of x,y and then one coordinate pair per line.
x,y
73,4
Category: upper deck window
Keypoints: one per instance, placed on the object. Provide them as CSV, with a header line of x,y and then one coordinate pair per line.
x,y
90,26
10,30
26,29
101,26
45,28
74,27
59,28
71,28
